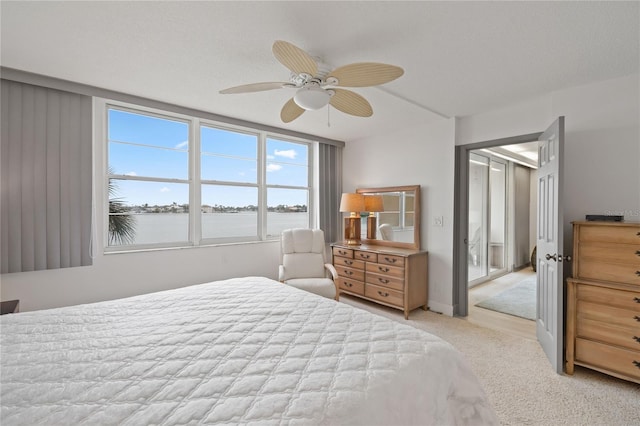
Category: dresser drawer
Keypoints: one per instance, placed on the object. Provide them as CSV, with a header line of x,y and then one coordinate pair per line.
x,y
611,334
619,253
605,271
608,314
365,255
351,263
351,285
610,358
384,295
389,259
352,273
392,271
394,283
608,296
612,234
343,252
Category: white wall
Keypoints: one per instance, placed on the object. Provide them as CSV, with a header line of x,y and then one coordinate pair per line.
x,y
602,143
421,155
602,161
119,275
602,173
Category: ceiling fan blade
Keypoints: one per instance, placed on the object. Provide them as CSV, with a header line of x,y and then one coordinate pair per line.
x,y
290,111
294,58
254,87
365,74
351,103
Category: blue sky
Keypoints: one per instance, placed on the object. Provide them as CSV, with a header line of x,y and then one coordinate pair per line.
x,y
147,146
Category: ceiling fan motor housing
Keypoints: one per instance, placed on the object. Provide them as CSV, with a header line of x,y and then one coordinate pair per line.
x,y
312,97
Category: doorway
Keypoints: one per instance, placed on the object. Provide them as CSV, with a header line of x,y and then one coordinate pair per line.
x,y
549,235
468,217
502,206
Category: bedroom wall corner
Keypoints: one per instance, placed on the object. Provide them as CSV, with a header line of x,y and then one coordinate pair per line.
x,y
419,155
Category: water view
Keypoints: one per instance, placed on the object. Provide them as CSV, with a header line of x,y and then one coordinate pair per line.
x,y
174,227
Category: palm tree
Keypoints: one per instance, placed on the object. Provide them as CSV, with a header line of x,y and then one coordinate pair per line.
x,y
122,226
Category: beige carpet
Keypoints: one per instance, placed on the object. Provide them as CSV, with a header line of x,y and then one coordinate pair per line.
x,y
518,379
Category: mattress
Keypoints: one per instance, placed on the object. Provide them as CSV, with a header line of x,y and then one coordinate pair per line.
x,y
239,351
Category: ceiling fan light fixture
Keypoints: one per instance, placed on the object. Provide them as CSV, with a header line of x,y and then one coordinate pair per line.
x,y
312,98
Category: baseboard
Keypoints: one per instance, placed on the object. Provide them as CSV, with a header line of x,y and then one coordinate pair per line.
x,y
441,308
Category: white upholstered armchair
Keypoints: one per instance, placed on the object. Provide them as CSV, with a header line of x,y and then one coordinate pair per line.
x,y
303,262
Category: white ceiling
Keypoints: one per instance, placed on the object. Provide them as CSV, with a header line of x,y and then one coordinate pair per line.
x,y
460,58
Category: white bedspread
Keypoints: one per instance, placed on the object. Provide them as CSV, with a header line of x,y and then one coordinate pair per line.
x,y
245,350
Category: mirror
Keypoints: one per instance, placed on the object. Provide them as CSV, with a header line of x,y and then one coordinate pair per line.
x,y
398,224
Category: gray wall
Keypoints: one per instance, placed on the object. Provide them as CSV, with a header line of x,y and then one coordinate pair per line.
x,y
522,200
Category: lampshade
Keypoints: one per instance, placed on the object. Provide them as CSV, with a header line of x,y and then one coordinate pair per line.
x,y
373,203
311,97
352,202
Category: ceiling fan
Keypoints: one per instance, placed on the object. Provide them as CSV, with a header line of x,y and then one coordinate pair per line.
x,y
316,86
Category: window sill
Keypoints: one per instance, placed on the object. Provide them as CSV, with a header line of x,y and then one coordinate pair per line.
x,y
109,251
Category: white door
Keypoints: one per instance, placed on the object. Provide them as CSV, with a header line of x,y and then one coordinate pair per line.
x,y
550,312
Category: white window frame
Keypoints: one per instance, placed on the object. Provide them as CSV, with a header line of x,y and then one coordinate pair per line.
x,y
101,108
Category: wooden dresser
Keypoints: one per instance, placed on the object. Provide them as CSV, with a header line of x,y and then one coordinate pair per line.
x,y
393,277
603,299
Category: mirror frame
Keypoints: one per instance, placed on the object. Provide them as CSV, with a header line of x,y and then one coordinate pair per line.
x,y
416,221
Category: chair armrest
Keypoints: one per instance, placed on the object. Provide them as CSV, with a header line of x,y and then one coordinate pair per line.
x,y
332,270
334,277
281,273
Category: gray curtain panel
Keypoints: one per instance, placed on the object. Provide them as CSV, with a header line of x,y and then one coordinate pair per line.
x,y
330,190
46,204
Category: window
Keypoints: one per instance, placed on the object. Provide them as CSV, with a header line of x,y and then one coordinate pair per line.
x,y
148,179
175,181
287,175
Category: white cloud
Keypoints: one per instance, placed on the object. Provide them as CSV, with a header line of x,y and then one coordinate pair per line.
x,y
165,189
273,167
131,174
182,145
287,153
270,157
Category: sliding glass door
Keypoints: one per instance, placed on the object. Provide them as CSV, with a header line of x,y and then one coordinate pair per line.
x,y
487,217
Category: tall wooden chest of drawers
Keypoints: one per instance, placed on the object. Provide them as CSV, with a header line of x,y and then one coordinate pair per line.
x,y
603,299
393,277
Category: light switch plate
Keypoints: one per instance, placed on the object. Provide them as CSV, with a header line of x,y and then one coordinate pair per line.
x,y
438,221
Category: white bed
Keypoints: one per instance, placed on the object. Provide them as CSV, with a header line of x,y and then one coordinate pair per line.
x,y
244,350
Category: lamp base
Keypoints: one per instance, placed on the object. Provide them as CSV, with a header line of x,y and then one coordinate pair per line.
x,y
352,230
371,227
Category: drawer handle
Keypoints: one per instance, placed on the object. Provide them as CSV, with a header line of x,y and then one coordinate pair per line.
x,y
636,363
637,318
637,252
349,262
638,233
383,294
381,269
364,256
636,299
348,284
342,252
638,273
390,260
636,338
383,281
